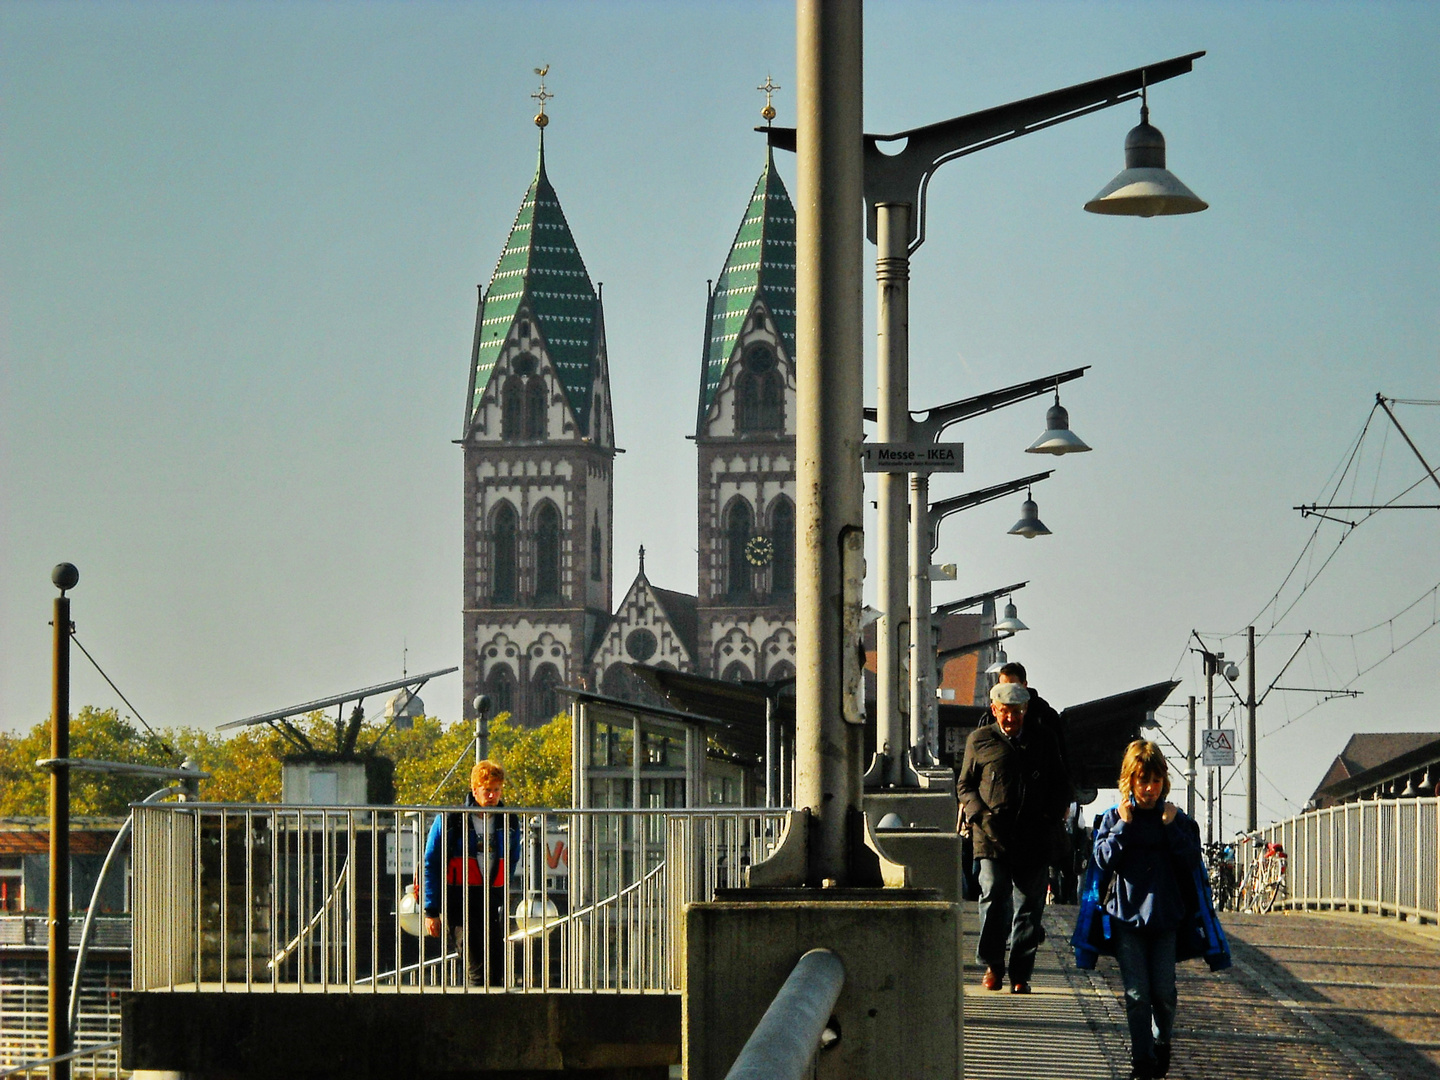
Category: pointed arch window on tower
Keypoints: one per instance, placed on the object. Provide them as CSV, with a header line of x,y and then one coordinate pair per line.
x,y
759,392
547,554
782,537
544,700
597,551
500,685
739,527
504,564
512,409
535,407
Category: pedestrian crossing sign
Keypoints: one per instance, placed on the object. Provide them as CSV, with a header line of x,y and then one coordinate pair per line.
x,y
1219,747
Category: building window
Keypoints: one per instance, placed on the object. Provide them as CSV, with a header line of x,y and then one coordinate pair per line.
x,y
736,672
547,554
535,407
782,535
597,551
500,685
512,409
759,393
641,644
502,551
739,526
544,701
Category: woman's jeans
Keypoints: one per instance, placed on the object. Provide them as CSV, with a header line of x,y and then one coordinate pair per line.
x,y
1147,966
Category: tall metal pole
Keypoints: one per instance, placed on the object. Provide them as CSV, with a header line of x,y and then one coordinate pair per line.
x,y
892,277
1252,808
922,642
1209,725
58,936
830,400
772,750
1190,765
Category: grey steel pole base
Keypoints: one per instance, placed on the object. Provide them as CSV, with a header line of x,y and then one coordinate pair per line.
x,y
829,407
892,632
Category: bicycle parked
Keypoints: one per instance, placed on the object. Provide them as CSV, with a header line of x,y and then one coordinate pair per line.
x,y
1264,881
1220,866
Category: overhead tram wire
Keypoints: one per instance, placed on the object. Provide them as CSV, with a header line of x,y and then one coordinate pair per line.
x,y
153,733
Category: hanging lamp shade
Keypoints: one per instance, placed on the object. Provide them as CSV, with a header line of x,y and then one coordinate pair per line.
x,y
1410,791
1011,621
1029,525
1000,661
1058,438
1145,187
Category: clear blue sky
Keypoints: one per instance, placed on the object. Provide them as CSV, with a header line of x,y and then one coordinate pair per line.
x,y
240,249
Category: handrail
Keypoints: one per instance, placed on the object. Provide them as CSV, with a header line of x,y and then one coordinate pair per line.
x,y
31,1066
284,954
84,950
785,1041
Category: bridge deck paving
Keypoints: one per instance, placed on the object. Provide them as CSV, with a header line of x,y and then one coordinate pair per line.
x,y
1311,996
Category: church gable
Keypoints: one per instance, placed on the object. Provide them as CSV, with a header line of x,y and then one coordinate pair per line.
x,y
755,394
652,626
524,399
541,269
760,266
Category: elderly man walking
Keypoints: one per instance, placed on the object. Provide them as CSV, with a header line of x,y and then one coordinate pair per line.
x,y
1013,789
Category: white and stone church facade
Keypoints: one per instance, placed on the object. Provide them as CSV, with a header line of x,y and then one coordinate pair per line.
x,y
539,457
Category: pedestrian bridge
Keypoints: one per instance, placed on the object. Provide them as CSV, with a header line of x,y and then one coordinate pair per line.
x,y
296,922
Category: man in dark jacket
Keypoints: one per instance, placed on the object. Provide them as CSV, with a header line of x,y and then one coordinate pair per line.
x,y
468,857
1013,788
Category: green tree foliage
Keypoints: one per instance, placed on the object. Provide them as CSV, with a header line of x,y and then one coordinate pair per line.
x,y
536,761
245,767
94,733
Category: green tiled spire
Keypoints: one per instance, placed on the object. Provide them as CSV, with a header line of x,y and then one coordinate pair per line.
x,y
542,266
761,264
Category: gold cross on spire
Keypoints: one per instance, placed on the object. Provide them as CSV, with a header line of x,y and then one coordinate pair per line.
x,y
769,87
542,95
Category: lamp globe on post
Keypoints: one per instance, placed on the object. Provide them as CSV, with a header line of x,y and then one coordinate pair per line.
x,y
1058,438
1011,622
1145,187
1029,525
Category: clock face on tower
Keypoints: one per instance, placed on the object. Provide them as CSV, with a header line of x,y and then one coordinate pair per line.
x,y
759,550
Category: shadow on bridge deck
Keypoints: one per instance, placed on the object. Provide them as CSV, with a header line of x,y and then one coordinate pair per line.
x,y
1310,997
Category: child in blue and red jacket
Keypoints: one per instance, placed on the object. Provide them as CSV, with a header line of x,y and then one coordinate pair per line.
x,y
459,891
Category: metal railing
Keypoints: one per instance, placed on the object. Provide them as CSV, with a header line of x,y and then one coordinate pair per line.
x,y
792,1031
101,1062
1368,856
236,898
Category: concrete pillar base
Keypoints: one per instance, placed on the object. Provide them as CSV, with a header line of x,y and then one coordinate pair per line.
x,y
899,1013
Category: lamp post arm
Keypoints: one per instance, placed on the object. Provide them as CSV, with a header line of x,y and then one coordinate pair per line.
x,y
934,421
903,177
939,511
979,598
944,655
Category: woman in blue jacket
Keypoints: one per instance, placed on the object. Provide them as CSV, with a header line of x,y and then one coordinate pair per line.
x,y
1148,847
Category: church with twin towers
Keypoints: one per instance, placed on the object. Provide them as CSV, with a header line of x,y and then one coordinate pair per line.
x,y
540,459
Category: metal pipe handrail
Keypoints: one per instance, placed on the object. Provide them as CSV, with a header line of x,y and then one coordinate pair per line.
x,y
42,1063
785,1041
284,954
84,948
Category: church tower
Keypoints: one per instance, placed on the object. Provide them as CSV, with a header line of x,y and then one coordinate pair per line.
x,y
745,438
539,447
